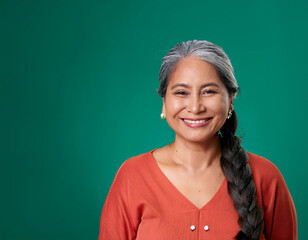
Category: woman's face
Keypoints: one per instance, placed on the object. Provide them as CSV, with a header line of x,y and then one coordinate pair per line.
x,y
196,102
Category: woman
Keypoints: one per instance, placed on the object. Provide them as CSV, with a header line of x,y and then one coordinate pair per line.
x,y
203,185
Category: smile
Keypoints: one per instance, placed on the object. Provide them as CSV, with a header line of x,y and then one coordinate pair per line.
x,y
196,122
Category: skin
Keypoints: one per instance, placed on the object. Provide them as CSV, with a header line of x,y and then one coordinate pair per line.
x,y
192,161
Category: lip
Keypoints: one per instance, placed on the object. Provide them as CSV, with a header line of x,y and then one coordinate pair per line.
x,y
196,119
196,125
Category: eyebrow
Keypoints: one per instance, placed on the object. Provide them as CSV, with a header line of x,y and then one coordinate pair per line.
x,y
187,86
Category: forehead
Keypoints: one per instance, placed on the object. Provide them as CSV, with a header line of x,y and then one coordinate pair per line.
x,y
193,71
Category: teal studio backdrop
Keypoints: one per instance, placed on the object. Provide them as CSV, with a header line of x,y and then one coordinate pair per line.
x,y
78,81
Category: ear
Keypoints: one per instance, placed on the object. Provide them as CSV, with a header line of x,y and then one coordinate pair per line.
x,y
231,107
163,108
231,104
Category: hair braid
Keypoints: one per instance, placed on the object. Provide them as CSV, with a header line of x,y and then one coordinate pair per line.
x,y
241,187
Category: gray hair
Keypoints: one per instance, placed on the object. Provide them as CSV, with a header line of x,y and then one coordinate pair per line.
x,y
205,51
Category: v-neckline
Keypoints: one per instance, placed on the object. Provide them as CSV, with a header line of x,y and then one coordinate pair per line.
x,y
178,192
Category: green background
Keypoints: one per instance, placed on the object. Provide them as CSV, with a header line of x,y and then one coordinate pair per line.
x,y
78,81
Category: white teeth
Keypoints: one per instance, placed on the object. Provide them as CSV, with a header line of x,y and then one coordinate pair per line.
x,y
190,121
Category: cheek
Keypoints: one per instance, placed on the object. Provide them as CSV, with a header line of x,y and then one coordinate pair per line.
x,y
173,106
219,106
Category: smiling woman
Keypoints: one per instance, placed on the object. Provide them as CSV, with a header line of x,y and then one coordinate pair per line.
x,y
203,185
196,98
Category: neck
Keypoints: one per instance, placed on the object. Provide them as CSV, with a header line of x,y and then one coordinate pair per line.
x,y
196,156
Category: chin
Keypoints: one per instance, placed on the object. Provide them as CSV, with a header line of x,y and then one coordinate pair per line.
x,y
200,140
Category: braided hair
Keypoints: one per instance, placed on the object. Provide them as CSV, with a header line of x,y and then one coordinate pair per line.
x,y
234,160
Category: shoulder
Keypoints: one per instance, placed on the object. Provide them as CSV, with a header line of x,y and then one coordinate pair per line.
x,y
131,172
269,181
134,165
263,169
267,177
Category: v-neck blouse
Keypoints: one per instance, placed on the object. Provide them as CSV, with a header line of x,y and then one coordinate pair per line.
x,y
176,192
143,204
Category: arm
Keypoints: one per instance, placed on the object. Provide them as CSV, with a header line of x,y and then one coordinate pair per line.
x,y
280,220
119,218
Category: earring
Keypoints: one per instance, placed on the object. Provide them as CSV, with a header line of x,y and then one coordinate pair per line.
x,y
162,116
229,114
219,133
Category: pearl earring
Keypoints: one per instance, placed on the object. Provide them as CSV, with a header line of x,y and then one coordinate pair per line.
x,y
162,116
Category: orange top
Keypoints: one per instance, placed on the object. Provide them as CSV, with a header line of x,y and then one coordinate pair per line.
x,y
143,204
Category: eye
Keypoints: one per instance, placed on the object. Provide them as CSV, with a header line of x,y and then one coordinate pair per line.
x,y
181,93
209,91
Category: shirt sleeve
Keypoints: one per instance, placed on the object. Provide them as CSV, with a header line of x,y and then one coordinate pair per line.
x,y
119,218
280,221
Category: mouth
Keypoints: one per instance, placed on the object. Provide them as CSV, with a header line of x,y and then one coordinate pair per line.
x,y
196,122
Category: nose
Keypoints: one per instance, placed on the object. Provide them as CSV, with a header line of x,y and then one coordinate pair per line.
x,y
195,104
